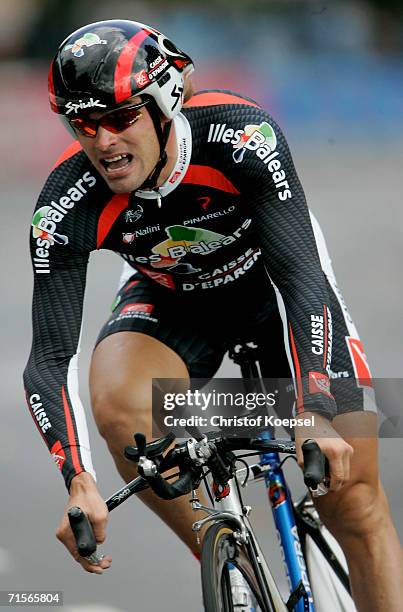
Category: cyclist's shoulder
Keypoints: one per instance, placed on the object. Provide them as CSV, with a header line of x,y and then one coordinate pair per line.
x,y
222,104
218,97
68,208
72,168
71,178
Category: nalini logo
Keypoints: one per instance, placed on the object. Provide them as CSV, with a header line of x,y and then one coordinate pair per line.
x,y
255,137
88,40
45,220
128,237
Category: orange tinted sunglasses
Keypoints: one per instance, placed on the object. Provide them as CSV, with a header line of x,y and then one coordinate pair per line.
x,y
115,121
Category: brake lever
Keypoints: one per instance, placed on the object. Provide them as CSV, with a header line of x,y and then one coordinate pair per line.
x,y
323,487
146,467
141,444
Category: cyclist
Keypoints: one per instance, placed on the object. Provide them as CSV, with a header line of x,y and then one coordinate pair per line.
x,y
199,195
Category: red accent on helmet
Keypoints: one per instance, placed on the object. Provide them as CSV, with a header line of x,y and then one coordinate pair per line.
x,y
51,87
124,66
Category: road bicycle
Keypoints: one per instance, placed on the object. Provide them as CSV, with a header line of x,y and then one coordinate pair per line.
x,y
314,563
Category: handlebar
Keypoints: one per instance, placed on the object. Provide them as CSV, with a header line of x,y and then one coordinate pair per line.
x,y
216,454
314,464
166,490
84,535
211,453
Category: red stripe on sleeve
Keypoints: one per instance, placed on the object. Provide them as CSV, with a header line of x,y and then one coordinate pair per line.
x,y
71,150
209,177
124,65
217,98
109,215
131,285
325,338
300,401
71,436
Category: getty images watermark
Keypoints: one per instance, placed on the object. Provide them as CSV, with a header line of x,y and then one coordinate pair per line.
x,y
206,401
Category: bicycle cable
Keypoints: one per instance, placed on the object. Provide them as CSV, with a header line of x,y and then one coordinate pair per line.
x,y
238,488
285,459
206,485
247,471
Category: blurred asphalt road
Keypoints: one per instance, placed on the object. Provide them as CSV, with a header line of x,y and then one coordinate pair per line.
x,y
356,195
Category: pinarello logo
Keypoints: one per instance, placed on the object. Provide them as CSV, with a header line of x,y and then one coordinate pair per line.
x,y
141,78
148,308
58,454
204,202
319,383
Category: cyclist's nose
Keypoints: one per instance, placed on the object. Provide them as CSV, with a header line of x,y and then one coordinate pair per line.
x,y
105,139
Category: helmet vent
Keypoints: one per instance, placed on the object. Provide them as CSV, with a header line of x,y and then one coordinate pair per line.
x,y
170,46
97,72
164,79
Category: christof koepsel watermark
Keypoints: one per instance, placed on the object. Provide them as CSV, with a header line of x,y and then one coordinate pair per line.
x,y
234,421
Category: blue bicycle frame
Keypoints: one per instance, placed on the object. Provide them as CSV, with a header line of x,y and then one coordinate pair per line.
x,y
281,504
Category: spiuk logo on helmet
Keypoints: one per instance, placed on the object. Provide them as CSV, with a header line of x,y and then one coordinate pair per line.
x,y
74,107
88,40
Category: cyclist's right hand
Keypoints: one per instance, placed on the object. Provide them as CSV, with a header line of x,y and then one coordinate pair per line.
x,y
85,495
338,452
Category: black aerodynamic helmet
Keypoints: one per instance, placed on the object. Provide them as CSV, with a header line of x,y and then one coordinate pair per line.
x,y
104,63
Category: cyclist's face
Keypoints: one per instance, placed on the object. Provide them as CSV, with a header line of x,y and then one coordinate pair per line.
x,y
138,144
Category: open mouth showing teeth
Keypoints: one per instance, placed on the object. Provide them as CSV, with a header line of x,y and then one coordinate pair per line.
x,y
117,162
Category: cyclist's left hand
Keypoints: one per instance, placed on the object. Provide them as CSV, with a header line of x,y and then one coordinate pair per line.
x,y
338,452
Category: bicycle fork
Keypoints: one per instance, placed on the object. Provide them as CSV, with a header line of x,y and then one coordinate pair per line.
x,y
230,508
232,504
301,599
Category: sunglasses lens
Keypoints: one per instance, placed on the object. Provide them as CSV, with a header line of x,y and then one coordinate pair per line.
x,y
84,126
121,119
115,121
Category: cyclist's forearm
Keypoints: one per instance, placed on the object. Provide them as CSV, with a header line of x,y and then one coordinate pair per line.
x,y
58,416
291,258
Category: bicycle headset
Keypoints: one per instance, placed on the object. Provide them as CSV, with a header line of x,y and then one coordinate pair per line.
x,y
103,64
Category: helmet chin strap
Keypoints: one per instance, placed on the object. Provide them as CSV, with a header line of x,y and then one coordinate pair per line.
x,y
162,135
